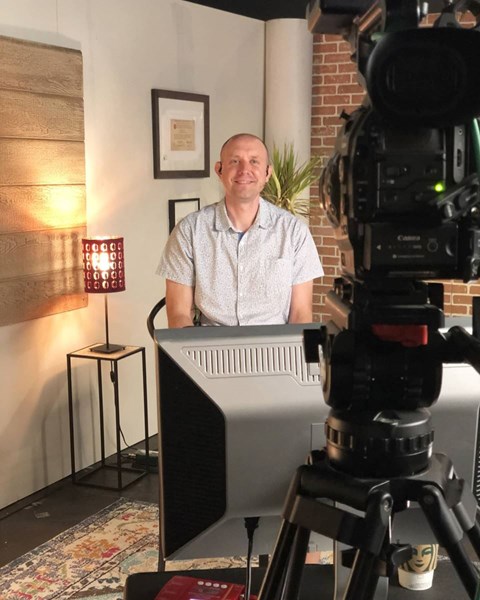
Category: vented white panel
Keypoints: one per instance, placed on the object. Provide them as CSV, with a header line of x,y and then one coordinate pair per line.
x,y
241,360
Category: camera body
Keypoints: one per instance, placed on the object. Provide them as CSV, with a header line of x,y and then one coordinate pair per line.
x,y
402,193
401,189
400,200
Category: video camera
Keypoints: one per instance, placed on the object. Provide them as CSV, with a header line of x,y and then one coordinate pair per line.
x,y
402,194
401,189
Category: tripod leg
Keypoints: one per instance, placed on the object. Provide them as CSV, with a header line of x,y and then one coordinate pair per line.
x,y
448,534
474,537
274,576
343,572
364,576
293,577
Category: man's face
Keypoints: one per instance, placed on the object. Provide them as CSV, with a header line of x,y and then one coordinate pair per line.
x,y
243,169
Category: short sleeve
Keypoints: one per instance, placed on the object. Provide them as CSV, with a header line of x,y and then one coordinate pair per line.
x,y
176,262
307,264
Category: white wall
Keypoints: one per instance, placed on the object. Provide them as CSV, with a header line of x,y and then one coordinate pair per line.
x,y
288,86
129,47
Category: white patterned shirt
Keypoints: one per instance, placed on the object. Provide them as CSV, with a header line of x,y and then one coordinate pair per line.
x,y
241,279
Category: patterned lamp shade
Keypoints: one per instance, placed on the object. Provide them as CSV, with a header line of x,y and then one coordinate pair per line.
x,y
103,265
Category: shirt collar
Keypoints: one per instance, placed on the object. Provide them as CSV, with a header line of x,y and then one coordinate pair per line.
x,y
222,222
263,219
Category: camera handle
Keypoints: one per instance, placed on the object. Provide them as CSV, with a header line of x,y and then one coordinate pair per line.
x,y
447,503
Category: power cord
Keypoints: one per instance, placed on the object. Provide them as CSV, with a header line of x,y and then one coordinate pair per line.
x,y
125,456
251,523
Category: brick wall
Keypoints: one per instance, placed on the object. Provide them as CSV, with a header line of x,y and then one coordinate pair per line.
x,y
335,89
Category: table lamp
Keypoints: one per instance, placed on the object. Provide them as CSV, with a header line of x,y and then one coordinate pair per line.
x,y
104,273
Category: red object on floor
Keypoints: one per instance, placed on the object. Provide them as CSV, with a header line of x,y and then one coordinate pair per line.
x,y
193,588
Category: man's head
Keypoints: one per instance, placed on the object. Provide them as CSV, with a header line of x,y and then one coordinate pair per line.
x,y
243,167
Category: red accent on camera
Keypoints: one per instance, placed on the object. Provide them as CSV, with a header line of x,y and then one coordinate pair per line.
x,y
409,336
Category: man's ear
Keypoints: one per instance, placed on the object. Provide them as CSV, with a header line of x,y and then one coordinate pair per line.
x,y
269,172
218,168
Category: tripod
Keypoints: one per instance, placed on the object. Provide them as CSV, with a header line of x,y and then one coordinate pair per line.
x,y
447,504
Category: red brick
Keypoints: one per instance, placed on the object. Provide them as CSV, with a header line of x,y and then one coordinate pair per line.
x,y
327,47
329,69
332,261
330,38
350,88
324,90
325,110
346,68
337,100
337,79
474,289
462,299
338,58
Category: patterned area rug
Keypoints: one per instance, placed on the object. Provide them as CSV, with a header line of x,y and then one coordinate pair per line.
x,y
92,560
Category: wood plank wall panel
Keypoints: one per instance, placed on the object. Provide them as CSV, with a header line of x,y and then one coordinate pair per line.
x,y
41,295
40,68
37,162
40,116
27,208
26,253
42,180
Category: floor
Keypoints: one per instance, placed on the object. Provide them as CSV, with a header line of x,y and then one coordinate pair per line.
x,y
28,523
36,519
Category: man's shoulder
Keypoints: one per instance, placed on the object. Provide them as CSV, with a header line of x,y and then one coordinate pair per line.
x,y
279,214
205,215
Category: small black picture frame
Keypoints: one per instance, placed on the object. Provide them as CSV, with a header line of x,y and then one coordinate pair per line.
x,y
177,209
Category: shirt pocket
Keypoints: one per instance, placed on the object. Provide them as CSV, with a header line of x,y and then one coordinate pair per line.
x,y
278,278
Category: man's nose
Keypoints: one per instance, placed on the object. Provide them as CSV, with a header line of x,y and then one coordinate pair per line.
x,y
243,165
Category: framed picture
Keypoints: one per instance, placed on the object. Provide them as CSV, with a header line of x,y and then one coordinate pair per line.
x,y
181,137
177,209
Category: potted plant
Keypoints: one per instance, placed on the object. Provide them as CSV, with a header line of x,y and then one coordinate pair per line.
x,y
289,180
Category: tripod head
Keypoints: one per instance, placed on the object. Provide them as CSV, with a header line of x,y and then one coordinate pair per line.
x,y
402,194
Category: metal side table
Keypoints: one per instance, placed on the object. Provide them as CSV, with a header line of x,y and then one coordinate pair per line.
x,y
108,476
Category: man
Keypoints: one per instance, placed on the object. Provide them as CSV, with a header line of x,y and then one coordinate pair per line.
x,y
241,261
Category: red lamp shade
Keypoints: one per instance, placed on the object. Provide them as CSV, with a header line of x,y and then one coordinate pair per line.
x,y
103,265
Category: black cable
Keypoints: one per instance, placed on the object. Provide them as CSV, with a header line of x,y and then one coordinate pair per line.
x,y
112,379
251,523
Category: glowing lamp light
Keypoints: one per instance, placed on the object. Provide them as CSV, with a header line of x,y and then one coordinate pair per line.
x,y
104,273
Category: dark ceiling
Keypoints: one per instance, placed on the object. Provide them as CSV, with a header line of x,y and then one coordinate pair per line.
x,y
287,9
260,9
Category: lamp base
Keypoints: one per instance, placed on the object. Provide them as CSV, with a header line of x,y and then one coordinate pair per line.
x,y
106,348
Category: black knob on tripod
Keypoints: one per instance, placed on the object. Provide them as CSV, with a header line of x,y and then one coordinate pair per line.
x,y
387,443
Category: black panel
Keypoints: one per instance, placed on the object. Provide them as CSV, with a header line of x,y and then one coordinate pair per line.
x,y
193,458
260,9
290,9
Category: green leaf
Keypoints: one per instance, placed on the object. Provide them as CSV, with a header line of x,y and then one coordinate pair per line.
x,y
289,179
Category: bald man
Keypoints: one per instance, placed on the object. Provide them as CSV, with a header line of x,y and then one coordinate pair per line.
x,y
241,261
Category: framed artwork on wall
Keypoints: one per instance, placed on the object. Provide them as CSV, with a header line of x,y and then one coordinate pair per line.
x,y
177,209
181,136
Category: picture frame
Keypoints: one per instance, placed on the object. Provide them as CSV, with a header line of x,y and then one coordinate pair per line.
x,y
178,209
181,134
